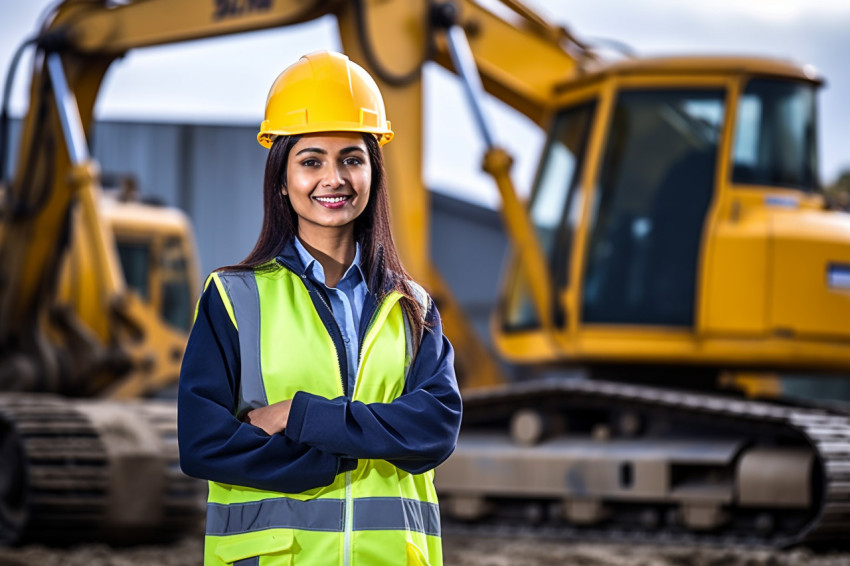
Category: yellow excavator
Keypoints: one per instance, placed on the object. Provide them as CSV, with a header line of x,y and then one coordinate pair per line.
x,y
675,235
96,298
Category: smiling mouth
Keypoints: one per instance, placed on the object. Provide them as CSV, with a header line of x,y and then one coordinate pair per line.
x,y
333,201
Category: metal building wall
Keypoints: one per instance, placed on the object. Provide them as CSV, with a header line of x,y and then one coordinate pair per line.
x,y
468,246
214,173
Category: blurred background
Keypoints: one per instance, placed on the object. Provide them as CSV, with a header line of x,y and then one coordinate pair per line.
x,y
763,317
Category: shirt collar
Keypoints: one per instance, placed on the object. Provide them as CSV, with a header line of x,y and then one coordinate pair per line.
x,y
313,268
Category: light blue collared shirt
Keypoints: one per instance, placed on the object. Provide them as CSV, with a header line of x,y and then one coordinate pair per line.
x,y
347,300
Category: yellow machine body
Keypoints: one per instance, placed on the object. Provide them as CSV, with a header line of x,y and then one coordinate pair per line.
x,y
157,258
768,262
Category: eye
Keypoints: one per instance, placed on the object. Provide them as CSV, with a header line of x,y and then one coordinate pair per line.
x,y
352,161
310,162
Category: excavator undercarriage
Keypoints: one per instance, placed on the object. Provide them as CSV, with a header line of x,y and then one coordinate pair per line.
x,y
93,470
587,458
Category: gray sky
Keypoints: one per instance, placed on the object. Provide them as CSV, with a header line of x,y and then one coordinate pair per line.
x,y
226,80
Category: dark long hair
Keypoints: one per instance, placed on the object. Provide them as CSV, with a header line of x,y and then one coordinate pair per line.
x,y
379,257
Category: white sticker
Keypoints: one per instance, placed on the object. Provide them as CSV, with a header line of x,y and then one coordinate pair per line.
x,y
838,276
782,202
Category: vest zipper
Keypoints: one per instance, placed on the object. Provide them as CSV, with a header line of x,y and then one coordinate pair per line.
x,y
349,520
342,373
363,338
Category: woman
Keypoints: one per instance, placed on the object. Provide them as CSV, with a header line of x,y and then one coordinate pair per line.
x,y
317,392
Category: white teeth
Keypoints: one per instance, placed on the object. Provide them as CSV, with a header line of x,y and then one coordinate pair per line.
x,y
331,199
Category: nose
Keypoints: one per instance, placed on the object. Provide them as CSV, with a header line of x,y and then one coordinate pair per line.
x,y
333,177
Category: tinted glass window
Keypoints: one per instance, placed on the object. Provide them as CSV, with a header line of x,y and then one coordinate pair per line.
x,y
554,209
135,261
176,306
775,138
646,222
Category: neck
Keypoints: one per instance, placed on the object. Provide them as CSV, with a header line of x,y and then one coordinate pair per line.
x,y
333,249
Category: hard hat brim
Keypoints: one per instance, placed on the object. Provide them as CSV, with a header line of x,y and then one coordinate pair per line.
x,y
266,138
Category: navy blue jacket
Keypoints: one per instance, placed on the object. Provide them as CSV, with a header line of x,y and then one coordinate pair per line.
x,y
323,437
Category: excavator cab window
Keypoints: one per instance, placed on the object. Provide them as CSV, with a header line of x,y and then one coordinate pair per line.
x,y
647,214
135,262
776,135
168,285
555,210
176,301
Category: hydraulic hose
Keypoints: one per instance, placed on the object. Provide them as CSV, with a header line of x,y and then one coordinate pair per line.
x,y
389,77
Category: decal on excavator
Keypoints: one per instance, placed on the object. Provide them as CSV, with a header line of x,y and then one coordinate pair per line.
x,y
236,8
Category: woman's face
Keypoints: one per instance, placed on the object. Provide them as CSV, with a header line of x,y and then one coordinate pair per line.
x,y
328,178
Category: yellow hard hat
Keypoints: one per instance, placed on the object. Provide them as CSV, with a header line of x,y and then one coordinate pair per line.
x,y
324,92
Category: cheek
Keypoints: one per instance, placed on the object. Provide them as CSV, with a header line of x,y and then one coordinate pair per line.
x,y
364,197
298,198
364,182
299,186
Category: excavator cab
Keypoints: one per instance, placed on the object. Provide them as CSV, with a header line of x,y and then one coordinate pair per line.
x,y
682,238
675,204
156,255
158,258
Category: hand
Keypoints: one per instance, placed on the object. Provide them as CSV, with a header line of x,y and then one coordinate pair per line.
x,y
272,419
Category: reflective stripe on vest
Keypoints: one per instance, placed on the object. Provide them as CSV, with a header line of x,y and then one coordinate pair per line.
x,y
285,348
370,514
242,286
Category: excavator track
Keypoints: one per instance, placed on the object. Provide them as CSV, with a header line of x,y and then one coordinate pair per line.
x,y
100,470
820,436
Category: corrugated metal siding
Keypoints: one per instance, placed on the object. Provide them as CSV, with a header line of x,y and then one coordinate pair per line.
x,y
468,246
214,173
150,151
225,174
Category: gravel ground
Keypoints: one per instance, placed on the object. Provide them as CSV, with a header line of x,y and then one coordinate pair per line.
x,y
186,552
459,551
480,551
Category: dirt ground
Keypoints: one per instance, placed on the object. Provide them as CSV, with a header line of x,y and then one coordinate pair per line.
x,y
481,551
459,551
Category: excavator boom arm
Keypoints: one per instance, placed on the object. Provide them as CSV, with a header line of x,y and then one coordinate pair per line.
x,y
521,57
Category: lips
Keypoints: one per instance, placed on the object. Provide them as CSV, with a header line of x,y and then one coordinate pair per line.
x,y
333,201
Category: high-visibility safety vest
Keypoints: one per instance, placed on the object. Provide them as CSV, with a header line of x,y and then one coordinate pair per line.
x,y
374,515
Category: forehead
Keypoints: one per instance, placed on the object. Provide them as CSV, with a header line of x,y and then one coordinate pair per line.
x,y
330,141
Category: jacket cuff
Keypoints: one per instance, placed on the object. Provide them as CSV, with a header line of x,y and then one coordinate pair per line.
x,y
347,464
297,413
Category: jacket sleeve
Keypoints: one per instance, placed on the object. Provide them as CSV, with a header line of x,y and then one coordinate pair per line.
x,y
415,432
214,444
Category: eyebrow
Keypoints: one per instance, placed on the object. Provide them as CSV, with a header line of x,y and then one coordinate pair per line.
x,y
344,151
